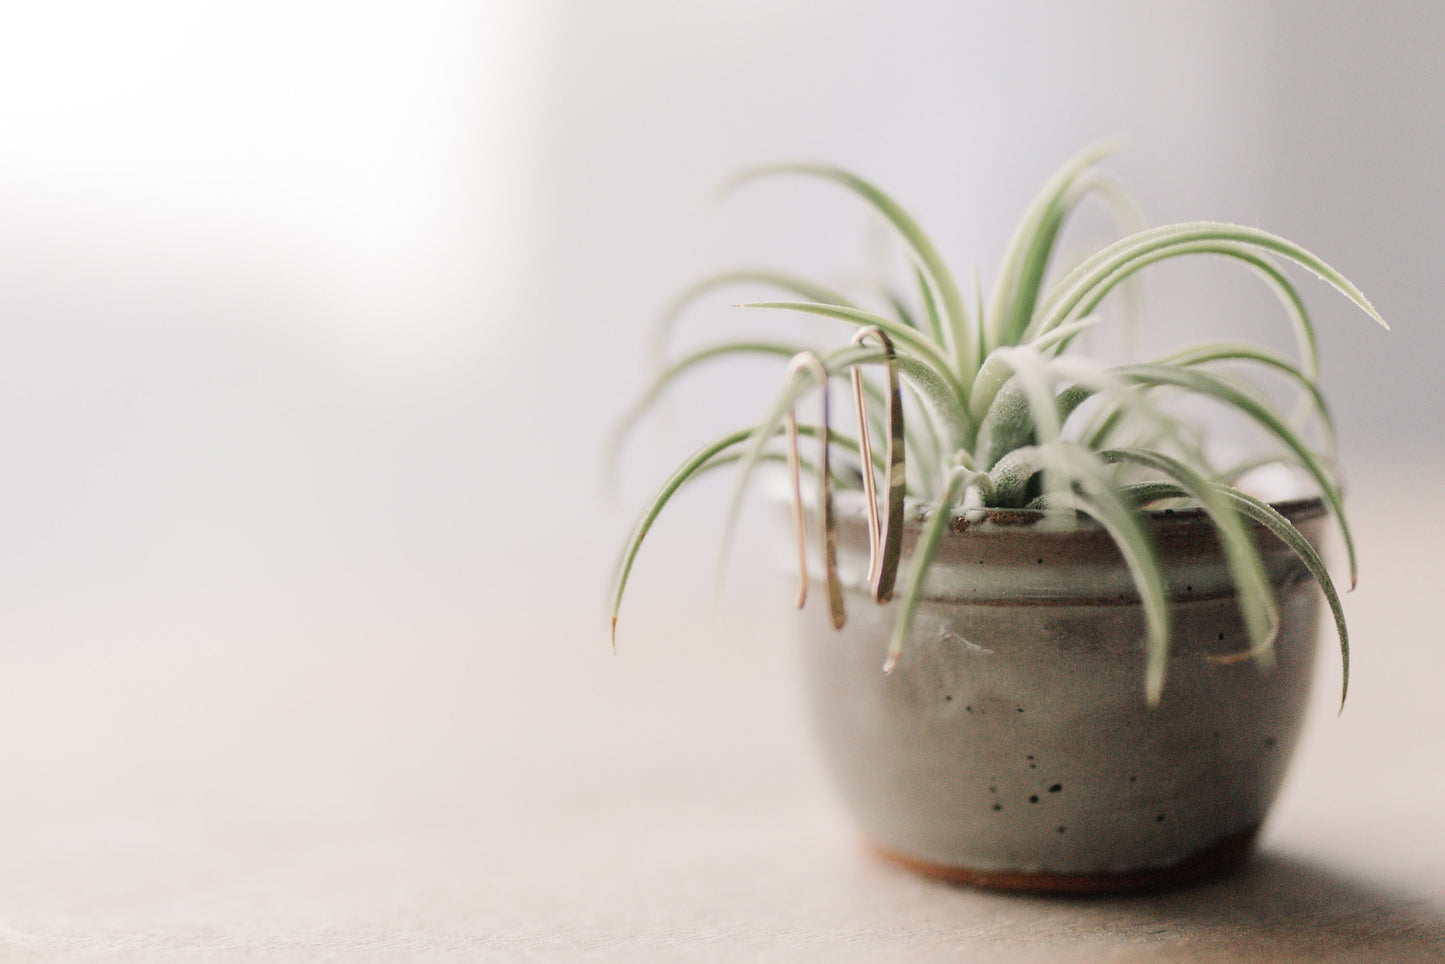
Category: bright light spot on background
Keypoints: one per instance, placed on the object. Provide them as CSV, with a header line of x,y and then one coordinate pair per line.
x,y
368,159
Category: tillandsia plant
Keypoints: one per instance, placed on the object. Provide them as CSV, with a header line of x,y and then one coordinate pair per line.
x,y
996,408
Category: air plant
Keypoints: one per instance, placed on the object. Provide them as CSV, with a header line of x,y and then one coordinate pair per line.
x,y
996,409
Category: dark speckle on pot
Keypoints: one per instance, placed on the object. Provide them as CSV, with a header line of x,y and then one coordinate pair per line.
x,y
1059,830
948,698
998,806
1159,818
1056,788
1269,741
1033,798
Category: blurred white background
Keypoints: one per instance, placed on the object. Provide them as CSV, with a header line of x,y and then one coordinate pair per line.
x,y
315,313
313,318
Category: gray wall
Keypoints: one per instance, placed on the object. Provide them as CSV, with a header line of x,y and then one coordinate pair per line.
x,y
1354,94
316,313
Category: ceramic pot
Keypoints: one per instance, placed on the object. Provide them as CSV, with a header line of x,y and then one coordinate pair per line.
x,y
1013,745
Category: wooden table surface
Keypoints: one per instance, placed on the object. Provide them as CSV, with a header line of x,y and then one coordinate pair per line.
x,y
494,785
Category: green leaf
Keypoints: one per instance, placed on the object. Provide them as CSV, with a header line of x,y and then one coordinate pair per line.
x,y
1256,597
670,487
995,370
835,363
924,552
1152,425
1207,384
930,308
1260,263
676,370
900,307
1036,269
1267,516
1010,476
1010,424
1101,501
618,435
1292,537
1108,266
707,458
1062,334
922,249
918,358
1100,498
923,436
767,277
1025,260
858,318
1204,354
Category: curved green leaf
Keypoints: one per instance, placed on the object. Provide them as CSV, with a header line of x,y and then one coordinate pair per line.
x,y
767,277
900,307
835,363
680,476
1034,241
612,448
922,249
670,374
901,334
917,357
708,457
1096,274
1238,351
1262,265
924,552
1207,384
1100,498
1102,501
1031,284
1267,516
994,371
1256,597
1029,414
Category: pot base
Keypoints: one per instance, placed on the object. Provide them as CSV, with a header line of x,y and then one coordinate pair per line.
x,y
1215,861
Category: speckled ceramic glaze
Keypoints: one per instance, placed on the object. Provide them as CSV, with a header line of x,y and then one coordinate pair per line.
x,y
1013,745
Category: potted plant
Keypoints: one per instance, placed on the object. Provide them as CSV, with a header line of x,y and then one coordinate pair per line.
x,y
1065,648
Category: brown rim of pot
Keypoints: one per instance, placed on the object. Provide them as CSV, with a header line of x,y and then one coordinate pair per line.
x,y
990,535
1296,509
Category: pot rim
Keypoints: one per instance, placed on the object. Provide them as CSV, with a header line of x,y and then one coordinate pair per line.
x,y
1027,539
1296,509
996,522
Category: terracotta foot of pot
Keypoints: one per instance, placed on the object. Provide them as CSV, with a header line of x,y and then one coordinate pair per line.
x,y
1216,861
